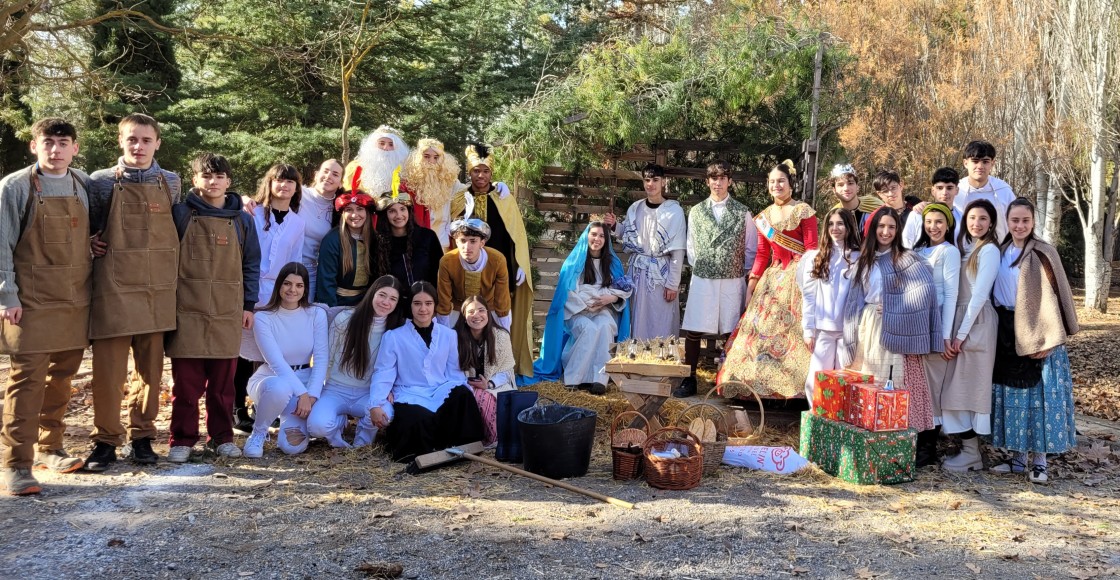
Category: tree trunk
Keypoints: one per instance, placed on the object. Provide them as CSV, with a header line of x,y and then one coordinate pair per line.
x,y
1052,219
1098,250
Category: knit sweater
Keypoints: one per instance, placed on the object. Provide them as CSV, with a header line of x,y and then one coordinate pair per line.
x,y
1045,315
103,180
911,318
14,190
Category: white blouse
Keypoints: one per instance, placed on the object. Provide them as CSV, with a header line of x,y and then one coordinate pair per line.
x,y
987,267
1006,288
822,300
945,261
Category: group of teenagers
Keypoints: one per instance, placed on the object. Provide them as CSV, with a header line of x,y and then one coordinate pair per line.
x,y
385,291
953,299
389,293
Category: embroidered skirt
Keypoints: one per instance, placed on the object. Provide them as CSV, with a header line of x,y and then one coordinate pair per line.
x,y
767,350
1038,419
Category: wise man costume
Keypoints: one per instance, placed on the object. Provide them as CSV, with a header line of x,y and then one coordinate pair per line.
x,y
498,208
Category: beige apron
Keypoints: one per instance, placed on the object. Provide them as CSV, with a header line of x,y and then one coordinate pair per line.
x,y
134,282
209,296
968,381
52,267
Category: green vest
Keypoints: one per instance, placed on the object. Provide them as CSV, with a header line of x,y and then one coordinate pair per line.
x,y
719,247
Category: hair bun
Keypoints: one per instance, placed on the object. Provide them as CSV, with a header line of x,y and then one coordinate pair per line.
x,y
792,168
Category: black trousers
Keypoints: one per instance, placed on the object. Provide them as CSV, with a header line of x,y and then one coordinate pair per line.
x,y
415,430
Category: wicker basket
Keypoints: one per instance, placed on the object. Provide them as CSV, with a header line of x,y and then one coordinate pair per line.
x,y
626,447
734,439
713,450
673,473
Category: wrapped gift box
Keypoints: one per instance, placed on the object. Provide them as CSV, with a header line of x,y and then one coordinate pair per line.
x,y
876,409
832,392
857,455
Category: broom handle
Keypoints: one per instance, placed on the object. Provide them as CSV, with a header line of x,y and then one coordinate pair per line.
x,y
543,479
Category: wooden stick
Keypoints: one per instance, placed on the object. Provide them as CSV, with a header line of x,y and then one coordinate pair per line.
x,y
542,479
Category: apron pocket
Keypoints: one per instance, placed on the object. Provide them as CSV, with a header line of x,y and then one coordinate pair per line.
x,y
52,284
134,215
226,298
201,247
58,229
131,268
218,299
164,267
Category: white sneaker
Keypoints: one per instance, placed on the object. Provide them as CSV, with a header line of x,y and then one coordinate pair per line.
x,y
179,454
228,450
254,445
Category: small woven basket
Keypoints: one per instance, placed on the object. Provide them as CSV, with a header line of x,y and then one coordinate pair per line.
x,y
626,447
713,450
737,439
675,473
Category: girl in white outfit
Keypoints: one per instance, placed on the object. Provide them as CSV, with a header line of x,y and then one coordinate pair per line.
x,y
825,275
355,335
291,335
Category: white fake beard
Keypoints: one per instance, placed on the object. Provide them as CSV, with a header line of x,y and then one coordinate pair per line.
x,y
378,166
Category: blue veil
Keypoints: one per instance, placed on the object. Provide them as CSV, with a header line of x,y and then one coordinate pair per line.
x,y
548,366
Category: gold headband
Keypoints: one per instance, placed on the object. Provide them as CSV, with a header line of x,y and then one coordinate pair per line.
x,y
429,143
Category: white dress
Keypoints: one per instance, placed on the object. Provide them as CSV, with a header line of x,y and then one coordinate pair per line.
x,y
586,353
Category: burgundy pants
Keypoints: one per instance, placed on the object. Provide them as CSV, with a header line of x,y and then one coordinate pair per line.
x,y
195,377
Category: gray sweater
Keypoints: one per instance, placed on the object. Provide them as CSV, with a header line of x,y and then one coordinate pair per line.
x,y
911,318
101,189
14,190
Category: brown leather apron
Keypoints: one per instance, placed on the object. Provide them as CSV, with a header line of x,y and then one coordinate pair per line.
x,y
209,297
134,282
52,266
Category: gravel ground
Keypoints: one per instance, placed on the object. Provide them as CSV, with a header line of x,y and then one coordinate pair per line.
x,y
327,513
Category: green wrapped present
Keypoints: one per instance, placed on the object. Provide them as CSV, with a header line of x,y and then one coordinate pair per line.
x,y
857,455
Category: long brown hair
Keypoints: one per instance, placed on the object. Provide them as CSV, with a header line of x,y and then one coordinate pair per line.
x,y
604,257
345,239
851,242
467,359
264,189
871,243
385,234
965,236
355,349
289,269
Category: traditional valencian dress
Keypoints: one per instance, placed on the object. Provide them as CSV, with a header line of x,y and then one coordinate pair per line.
x,y
655,237
767,351
576,342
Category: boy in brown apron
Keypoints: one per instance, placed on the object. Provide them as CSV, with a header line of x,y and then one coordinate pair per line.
x,y
44,302
136,263
219,270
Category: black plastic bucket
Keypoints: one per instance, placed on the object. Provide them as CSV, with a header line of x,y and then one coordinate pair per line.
x,y
556,439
